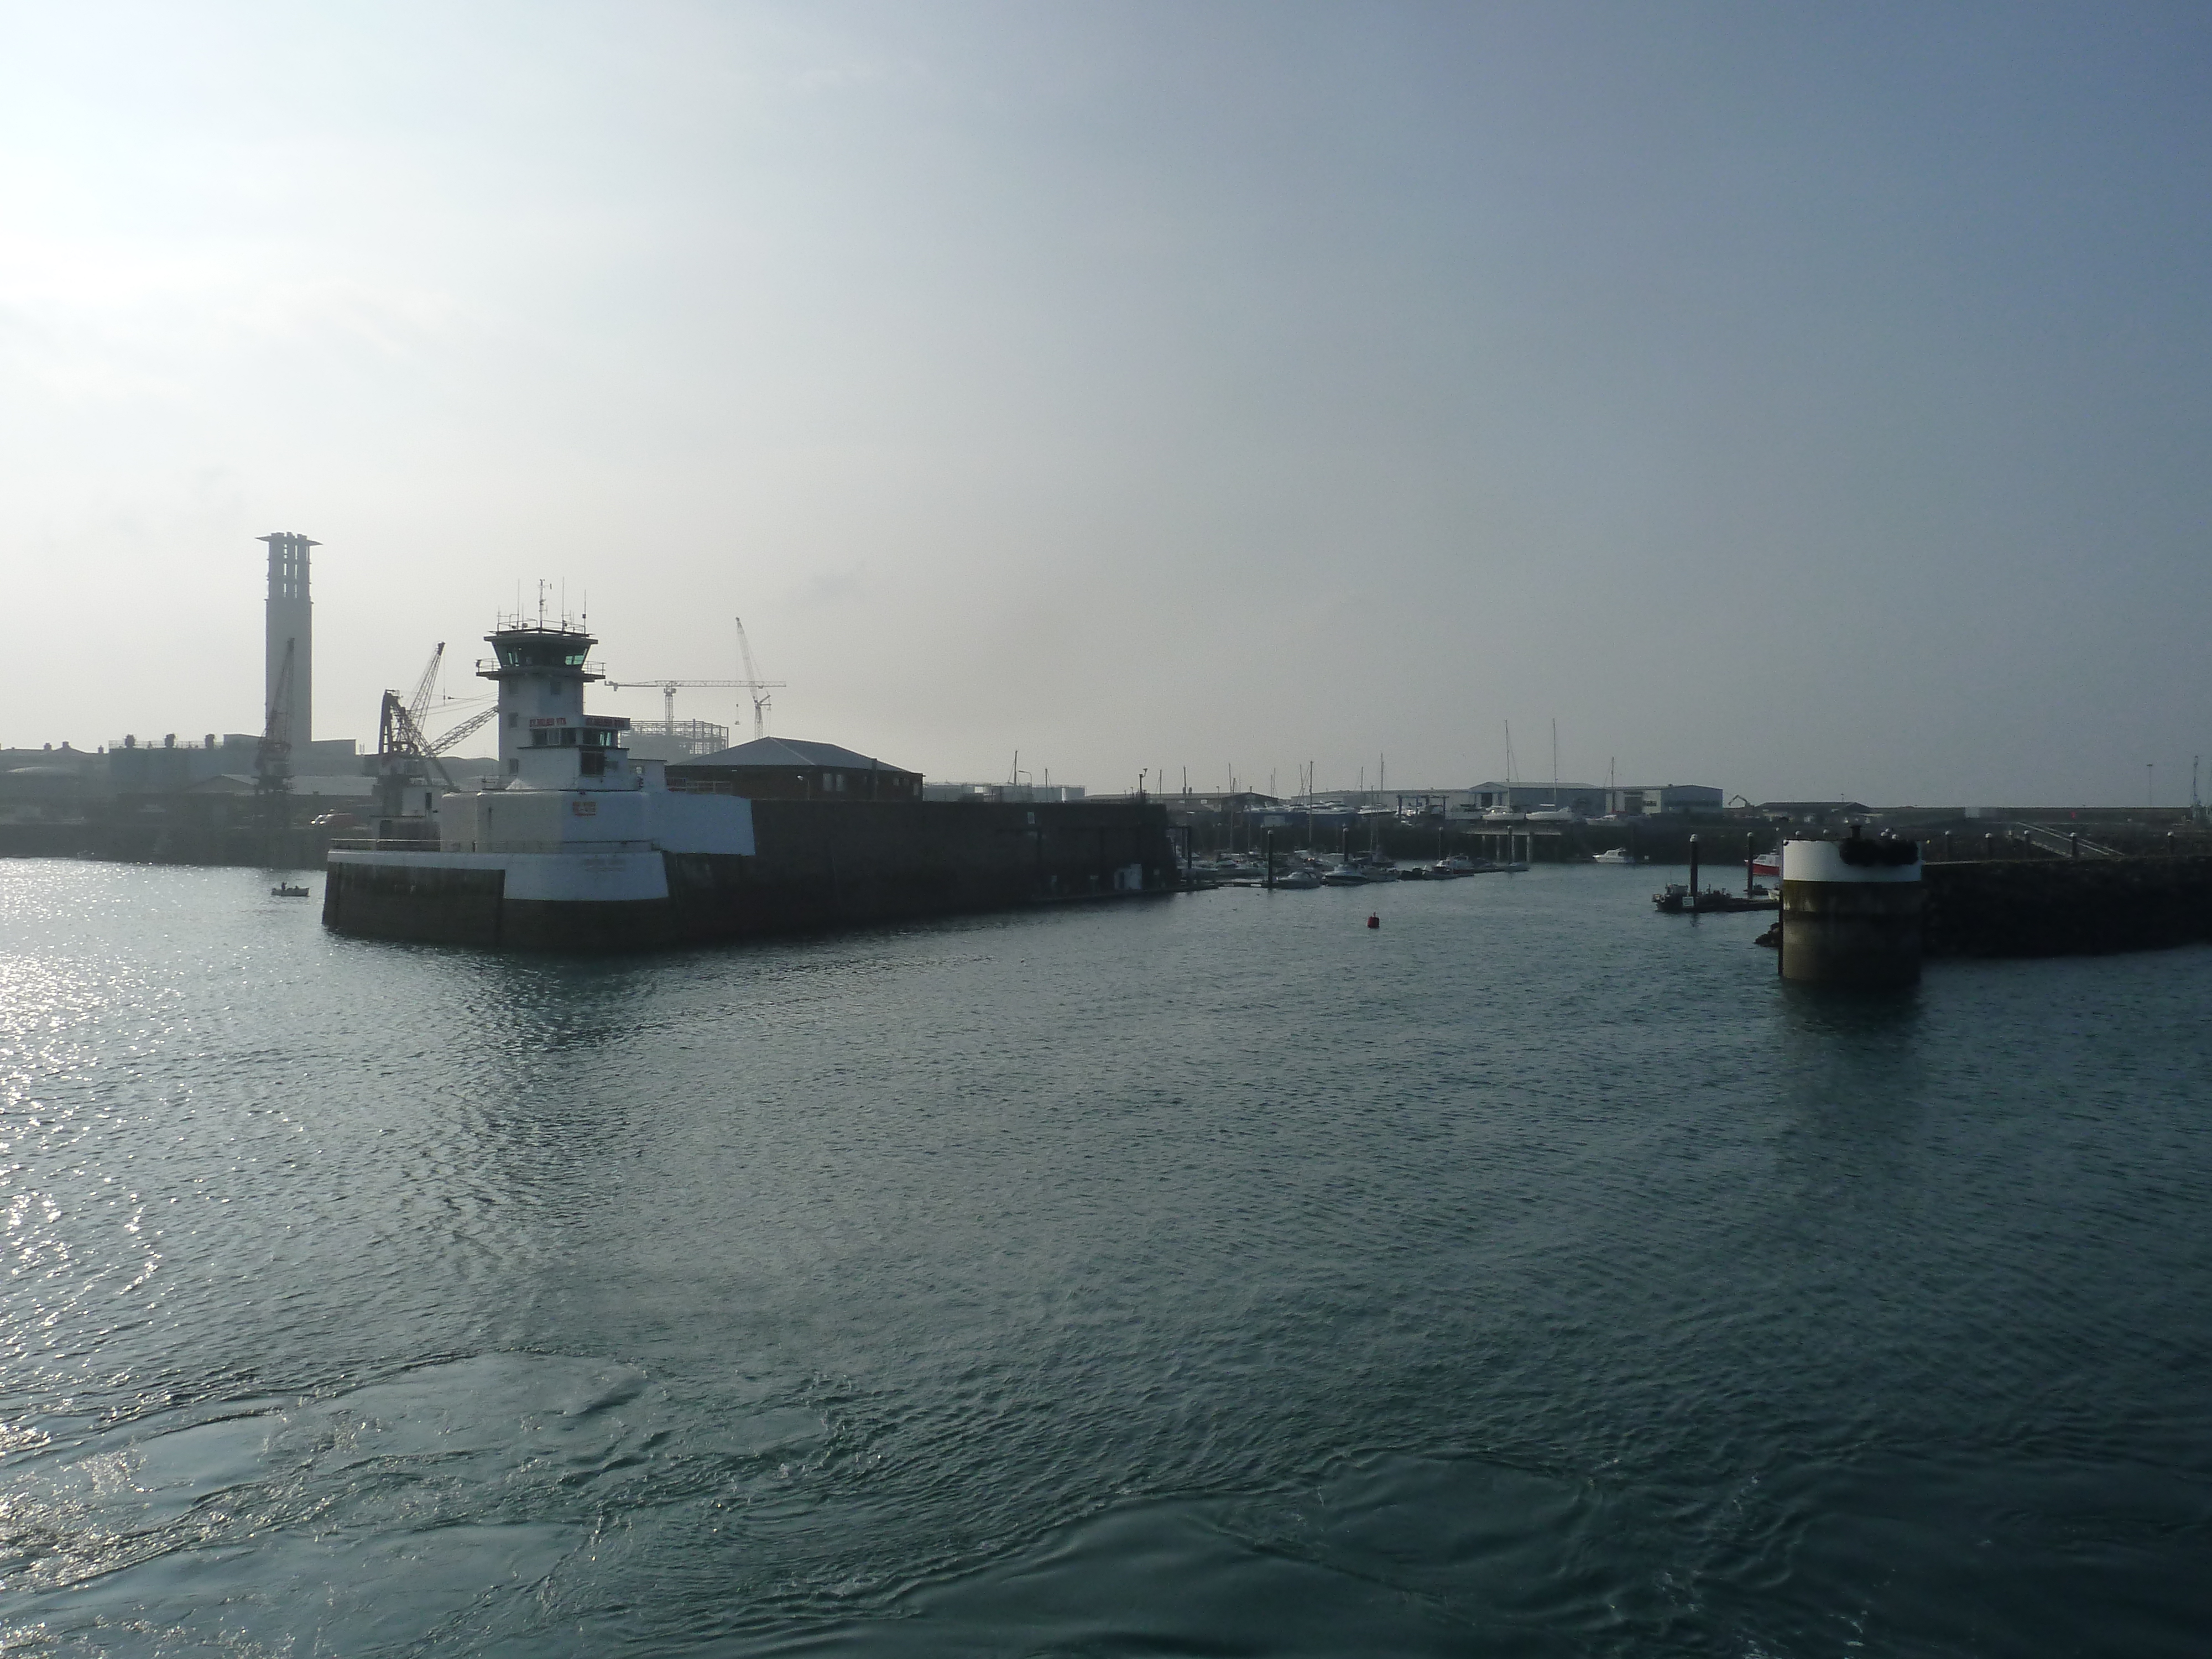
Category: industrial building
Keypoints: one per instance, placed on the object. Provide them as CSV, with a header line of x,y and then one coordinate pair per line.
x,y
1669,799
157,768
791,769
1583,800
1817,812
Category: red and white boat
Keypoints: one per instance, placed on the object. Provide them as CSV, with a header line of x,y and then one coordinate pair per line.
x,y
1768,864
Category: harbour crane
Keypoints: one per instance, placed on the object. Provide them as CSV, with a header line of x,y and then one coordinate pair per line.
x,y
419,706
405,751
272,758
443,745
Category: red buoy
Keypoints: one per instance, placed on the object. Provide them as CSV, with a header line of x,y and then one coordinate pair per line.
x,y
1374,920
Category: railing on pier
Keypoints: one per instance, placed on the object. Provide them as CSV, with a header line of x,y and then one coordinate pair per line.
x,y
2065,846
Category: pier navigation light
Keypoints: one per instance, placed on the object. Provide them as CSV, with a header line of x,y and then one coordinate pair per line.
x,y
546,740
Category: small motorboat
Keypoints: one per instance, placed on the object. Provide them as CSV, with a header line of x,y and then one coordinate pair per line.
x,y
1768,864
1613,855
1299,881
286,890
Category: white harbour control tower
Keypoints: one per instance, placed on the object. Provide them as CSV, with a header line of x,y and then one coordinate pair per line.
x,y
546,740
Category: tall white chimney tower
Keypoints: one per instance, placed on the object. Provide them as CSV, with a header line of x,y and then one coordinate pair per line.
x,y
290,623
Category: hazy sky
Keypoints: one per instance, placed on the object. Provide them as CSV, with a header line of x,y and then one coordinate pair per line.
x,y
1807,399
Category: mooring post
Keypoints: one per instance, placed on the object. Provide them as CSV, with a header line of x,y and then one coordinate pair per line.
x,y
1988,846
1694,875
1269,838
2074,845
1750,879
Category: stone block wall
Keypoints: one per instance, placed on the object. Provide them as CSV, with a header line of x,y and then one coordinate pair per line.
x,y
2066,907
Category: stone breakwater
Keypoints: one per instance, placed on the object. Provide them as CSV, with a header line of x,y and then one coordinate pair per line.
x,y
2065,907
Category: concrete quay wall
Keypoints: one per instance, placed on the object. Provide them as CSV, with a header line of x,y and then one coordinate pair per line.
x,y
815,865
822,864
126,841
2065,907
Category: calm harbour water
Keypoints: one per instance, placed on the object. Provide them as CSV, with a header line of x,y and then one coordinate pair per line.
x,y
1532,1275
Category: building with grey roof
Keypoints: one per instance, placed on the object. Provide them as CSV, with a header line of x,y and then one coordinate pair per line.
x,y
792,769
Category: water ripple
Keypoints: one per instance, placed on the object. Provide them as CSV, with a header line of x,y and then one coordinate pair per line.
x,y
1531,1274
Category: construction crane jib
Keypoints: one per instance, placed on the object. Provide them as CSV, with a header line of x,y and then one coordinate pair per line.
x,y
667,690
754,684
